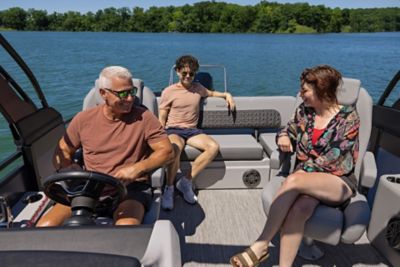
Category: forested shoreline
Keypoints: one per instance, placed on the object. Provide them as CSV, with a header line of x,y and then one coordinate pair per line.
x,y
208,17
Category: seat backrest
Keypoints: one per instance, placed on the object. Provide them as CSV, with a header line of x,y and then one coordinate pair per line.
x,y
36,131
144,97
205,79
149,100
349,93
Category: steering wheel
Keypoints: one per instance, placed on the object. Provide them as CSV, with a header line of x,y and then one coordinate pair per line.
x,y
63,187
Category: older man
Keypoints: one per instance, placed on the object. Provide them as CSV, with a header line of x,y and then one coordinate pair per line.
x,y
119,139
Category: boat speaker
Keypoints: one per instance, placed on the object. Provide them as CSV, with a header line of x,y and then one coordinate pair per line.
x,y
384,227
393,232
251,178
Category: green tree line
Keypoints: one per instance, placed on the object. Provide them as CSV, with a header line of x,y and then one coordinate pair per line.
x,y
209,17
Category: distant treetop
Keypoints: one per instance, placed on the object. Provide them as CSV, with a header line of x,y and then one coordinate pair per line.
x,y
209,17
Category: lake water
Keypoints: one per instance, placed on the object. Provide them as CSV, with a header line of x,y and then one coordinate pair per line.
x,y
66,64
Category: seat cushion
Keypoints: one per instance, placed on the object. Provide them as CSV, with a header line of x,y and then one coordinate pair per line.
x,y
232,147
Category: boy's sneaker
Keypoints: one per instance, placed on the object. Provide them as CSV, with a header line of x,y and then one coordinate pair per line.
x,y
185,187
167,198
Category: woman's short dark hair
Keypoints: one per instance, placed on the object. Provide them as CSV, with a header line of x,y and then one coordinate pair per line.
x,y
324,79
187,60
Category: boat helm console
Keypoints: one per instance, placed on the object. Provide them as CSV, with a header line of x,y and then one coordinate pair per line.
x,y
30,188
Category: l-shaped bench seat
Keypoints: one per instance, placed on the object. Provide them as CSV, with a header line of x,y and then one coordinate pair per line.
x,y
246,139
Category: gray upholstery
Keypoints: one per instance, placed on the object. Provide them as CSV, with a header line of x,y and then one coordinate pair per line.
x,y
348,91
369,170
163,249
232,147
364,109
148,99
268,142
155,245
240,153
328,224
257,118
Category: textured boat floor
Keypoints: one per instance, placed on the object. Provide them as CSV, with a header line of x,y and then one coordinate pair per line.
x,y
227,221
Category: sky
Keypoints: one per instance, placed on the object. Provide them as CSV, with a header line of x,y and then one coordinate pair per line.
x,y
84,6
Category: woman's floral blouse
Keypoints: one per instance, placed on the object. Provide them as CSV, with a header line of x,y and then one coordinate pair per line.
x,y
335,152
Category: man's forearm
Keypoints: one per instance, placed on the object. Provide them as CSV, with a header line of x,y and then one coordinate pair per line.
x,y
156,160
62,156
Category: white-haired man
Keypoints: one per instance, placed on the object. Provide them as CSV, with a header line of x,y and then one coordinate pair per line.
x,y
119,139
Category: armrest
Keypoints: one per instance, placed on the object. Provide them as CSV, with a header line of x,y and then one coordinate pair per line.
x,y
274,160
157,178
163,249
368,170
356,219
283,161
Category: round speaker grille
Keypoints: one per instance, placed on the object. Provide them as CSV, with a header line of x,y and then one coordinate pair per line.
x,y
251,178
393,233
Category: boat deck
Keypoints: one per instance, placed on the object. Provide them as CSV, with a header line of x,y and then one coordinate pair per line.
x,y
227,221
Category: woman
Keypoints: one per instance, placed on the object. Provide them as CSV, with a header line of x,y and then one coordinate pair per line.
x,y
325,137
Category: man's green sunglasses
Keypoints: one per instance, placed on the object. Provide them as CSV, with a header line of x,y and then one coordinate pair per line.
x,y
124,93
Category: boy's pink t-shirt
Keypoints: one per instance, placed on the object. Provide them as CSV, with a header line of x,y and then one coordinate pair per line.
x,y
183,104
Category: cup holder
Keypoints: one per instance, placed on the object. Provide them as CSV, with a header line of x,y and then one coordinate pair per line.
x,y
393,179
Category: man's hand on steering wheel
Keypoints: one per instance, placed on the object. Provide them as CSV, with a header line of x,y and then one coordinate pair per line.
x,y
131,173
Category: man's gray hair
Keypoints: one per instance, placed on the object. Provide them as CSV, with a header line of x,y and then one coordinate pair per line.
x,y
110,72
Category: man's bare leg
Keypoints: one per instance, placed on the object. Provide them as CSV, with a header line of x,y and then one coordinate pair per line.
x,y
55,216
129,212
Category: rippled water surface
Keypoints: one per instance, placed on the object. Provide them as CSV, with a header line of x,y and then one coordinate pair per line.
x,y
66,64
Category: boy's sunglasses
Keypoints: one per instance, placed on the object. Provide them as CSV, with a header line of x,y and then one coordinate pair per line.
x,y
184,73
123,94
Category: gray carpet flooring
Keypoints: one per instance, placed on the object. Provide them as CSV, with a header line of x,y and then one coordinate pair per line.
x,y
225,222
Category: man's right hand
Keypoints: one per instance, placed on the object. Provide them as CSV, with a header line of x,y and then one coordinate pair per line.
x,y
131,173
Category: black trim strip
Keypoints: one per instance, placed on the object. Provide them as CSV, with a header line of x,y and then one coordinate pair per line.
x,y
10,159
389,89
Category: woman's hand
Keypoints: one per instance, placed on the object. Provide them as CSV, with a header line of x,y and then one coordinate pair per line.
x,y
284,144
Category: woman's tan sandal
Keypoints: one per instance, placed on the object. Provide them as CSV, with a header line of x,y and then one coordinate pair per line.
x,y
254,261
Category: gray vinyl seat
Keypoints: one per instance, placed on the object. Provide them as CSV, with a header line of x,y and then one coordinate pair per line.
x,y
327,224
232,147
155,245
